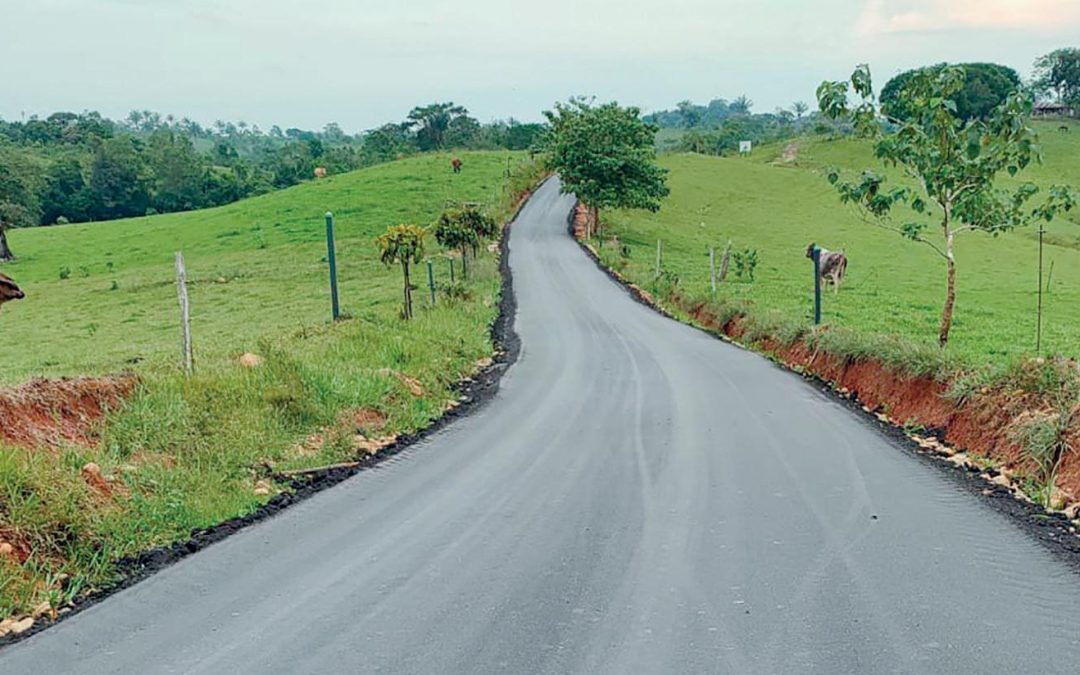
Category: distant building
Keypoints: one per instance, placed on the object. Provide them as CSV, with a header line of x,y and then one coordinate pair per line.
x,y
1053,109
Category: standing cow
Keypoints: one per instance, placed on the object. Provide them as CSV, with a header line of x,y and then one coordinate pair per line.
x,y
9,290
833,265
455,164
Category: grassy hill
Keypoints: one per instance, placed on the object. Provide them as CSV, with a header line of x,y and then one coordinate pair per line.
x,y
186,453
257,269
894,286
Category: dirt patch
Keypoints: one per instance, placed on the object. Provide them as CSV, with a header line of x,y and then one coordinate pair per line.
x,y
58,412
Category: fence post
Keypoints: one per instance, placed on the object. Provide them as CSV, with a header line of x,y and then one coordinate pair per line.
x,y
817,285
332,259
725,261
431,280
1038,328
451,261
659,256
712,268
185,314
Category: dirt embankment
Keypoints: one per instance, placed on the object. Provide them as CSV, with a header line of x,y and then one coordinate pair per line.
x,y
981,427
56,412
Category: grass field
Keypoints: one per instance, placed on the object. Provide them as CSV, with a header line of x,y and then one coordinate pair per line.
x,y
257,269
189,453
894,286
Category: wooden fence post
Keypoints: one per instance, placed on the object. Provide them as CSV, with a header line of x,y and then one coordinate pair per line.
x,y
659,256
712,268
725,261
185,314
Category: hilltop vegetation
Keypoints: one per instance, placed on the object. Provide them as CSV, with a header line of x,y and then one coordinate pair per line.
x,y
82,167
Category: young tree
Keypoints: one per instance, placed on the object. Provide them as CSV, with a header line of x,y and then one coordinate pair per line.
x,y
799,108
955,163
464,228
1059,72
606,156
404,245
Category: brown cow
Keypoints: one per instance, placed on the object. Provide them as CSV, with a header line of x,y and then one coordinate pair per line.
x,y
9,290
833,265
455,164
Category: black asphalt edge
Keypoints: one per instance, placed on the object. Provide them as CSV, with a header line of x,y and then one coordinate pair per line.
x,y
1052,529
473,393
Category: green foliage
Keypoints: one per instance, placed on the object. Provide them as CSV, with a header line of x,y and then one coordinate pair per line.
x,y
77,168
985,87
606,156
956,162
1059,73
464,227
404,245
434,121
746,262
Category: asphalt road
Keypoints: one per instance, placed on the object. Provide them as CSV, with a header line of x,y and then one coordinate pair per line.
x,y
637,498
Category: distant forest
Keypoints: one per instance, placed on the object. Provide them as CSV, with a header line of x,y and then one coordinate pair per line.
x,y
72,167
717,128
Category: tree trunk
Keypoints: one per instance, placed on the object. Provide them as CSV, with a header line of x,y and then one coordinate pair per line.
x,y
950,292
594,215
5,251
408,291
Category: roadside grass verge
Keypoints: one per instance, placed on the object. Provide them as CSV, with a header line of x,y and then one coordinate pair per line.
x,y
185,454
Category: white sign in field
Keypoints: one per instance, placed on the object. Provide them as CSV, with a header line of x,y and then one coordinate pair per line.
x,y
745,147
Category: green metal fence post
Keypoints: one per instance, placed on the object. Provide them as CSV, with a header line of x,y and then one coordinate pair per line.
x,y
331,258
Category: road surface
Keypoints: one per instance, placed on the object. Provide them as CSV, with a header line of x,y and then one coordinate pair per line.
x,y
637,498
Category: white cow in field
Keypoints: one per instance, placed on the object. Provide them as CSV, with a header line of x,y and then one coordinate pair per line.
x,y
833,265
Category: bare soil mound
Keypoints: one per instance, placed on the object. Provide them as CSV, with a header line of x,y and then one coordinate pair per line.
x,y
56,412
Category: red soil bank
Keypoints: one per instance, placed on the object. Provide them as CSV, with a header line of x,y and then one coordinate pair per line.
x,y
55,412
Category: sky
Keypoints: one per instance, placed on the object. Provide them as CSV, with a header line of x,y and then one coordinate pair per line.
x,y
361,63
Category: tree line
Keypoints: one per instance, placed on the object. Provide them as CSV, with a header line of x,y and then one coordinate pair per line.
x,y
78,167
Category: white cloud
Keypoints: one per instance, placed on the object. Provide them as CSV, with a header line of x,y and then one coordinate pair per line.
x,y
903,16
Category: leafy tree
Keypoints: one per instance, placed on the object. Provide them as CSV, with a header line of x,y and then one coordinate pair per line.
x,y
606,156
465,132
691,115
1059,72
18,199
985,87
66,194
119,181
463,228
741,106
404,245
387,143
955,162
178,172
432,121
799,108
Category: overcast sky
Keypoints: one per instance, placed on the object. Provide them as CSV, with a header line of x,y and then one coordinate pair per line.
x,y
363,62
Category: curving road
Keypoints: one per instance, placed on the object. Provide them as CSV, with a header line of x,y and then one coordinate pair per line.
x,y
637,498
